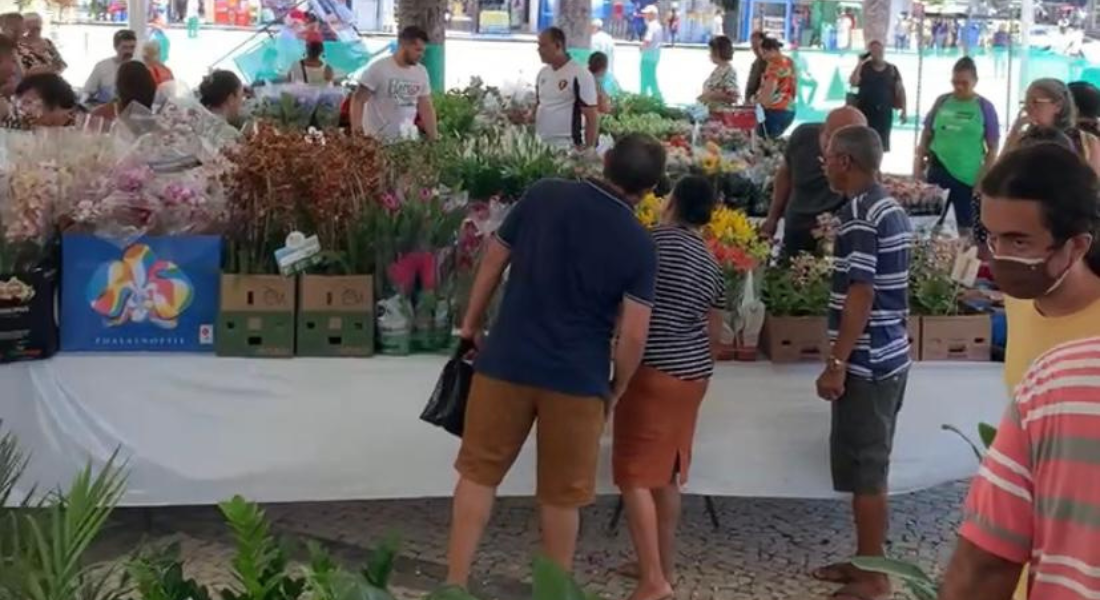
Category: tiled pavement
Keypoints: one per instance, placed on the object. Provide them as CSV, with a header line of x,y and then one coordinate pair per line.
x,y
762,551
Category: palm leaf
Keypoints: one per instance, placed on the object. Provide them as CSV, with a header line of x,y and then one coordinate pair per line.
x,y
907,572
987,433
973,446
381,561
50,542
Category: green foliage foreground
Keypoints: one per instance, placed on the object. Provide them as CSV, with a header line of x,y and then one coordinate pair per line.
x,y
44,544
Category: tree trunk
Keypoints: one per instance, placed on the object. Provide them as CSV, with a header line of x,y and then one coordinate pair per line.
x,y
428,15
574,18
876,21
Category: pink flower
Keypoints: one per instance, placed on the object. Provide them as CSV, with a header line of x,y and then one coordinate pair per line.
x,y
390,202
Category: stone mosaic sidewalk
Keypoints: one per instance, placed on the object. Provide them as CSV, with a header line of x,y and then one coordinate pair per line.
x,y
762,551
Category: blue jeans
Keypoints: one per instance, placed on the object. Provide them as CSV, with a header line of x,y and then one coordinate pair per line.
x,y
775,123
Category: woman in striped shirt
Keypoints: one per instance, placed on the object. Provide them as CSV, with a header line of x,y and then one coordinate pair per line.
x,y
655,420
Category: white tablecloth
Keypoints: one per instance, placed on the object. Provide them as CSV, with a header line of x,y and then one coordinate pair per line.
x,y
199,429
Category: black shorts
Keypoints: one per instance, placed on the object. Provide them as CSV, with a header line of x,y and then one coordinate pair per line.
x,y
864,421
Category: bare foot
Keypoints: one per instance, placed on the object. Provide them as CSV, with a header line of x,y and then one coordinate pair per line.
x,y
652,591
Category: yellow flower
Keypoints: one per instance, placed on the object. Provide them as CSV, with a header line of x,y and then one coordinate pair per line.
x,y
649,210
711,163
733,228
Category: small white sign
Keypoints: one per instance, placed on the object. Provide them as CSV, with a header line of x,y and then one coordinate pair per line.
x,y
966,268
300,253
206,334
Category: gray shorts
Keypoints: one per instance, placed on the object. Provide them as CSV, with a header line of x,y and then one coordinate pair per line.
x,y
864,420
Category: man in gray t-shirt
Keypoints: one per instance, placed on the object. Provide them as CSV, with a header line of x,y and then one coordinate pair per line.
x,y
801,191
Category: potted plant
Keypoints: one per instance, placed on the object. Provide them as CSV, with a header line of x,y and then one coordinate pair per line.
x,y
944,333
797,301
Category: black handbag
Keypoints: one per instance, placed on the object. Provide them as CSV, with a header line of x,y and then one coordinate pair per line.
x,y
447,406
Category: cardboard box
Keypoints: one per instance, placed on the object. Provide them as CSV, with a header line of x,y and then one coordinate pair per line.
x,y
914,337
793,339
257,316
335,315
28,315
153,294
958,338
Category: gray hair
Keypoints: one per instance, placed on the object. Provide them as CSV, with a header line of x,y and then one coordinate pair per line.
x,y
151,48
860,143
1057,91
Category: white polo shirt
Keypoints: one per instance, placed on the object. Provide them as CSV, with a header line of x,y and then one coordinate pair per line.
x,y
561,95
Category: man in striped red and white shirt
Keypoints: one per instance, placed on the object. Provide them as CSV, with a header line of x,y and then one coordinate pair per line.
x,y
1036,499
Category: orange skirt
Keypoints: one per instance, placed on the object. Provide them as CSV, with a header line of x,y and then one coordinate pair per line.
x,y
654,430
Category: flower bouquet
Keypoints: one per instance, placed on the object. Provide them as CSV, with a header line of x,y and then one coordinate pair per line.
x,y
740,251
416,233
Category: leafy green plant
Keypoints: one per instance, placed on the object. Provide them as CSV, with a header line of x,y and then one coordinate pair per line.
x,y
647,123
932,291
551,582
13,463
158,575
800,290
42,549
455,113
636,104
260,566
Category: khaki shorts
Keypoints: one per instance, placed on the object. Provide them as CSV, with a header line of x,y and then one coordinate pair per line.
x,y
499,417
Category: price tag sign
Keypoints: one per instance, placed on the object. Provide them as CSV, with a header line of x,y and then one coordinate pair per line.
x,y
967,264
299,253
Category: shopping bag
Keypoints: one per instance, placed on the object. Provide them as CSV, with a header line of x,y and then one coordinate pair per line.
x,y
447,406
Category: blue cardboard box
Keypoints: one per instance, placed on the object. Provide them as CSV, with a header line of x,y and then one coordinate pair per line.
x,y
154,294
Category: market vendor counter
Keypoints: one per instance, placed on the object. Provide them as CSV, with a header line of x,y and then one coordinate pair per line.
x,y
198,429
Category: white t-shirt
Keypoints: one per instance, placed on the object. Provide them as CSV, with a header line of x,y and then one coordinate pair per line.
x,y
603,42
395,93
654,39
100,87
302,73
561,95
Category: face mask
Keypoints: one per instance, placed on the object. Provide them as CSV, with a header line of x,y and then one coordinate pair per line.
x,y
1025,278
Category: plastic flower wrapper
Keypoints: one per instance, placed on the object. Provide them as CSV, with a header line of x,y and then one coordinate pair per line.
x,y
191,202
180,135
481,223
329,102
288,105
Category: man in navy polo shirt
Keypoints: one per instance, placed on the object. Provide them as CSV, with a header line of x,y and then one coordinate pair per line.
x,y
580,261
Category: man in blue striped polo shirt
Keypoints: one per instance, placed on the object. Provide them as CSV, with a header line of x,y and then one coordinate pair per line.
x,y
866,371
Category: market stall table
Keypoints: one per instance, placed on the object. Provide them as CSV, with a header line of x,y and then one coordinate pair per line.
x,y
198,429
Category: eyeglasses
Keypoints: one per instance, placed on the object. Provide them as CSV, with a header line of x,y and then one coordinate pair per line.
x,y
1036,102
